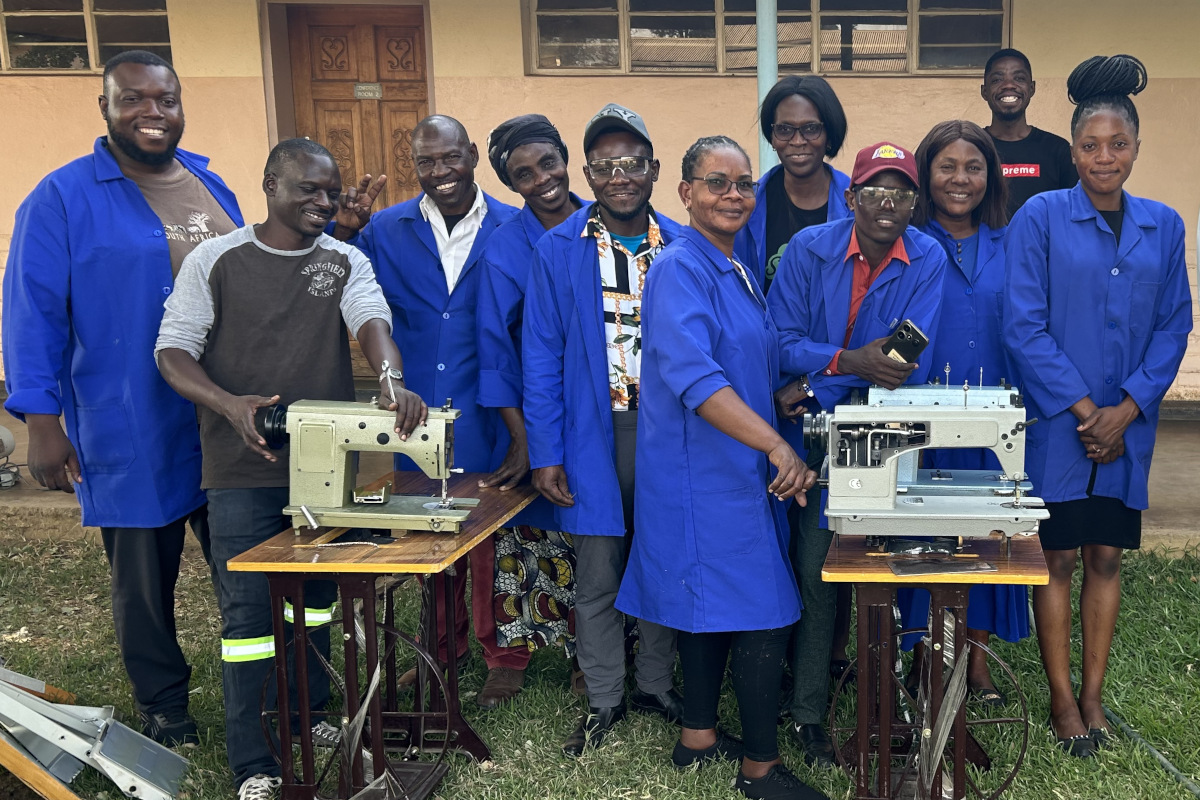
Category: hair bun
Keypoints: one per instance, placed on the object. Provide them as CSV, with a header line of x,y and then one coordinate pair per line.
x,y
1106,75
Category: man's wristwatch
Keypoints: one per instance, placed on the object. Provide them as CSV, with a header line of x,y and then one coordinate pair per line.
x,y
392,373
804,387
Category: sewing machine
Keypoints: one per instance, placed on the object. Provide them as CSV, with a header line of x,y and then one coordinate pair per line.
x,y
325,437
875,485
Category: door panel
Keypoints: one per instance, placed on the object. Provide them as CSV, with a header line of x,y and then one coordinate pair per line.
x,y
359,83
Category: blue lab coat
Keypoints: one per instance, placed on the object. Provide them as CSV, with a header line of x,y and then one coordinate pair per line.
x,y
88,271
969,338
810,301
711,550
433,327
750,246
568,408
1086,316
507,259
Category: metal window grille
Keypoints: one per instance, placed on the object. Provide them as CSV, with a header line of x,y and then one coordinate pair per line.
x,y
78,35
718,36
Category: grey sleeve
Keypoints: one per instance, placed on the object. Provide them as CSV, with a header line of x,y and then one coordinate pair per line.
x,y
362,299
188,315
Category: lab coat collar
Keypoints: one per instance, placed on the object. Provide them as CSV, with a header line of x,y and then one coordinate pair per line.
x,y
1136,218
107,168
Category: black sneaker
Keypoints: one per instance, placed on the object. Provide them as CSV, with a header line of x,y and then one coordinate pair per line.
x,y
778,784
726,748
172,728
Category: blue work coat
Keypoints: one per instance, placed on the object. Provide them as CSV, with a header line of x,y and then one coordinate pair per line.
x,y
968,337
507,259
88,271
750,246
434,327
810,301
568,407
711,550
1086,316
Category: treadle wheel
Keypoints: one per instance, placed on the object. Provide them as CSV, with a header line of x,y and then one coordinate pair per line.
x,y
998,737
402,746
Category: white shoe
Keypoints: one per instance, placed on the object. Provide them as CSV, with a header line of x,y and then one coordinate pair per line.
x,y
260,787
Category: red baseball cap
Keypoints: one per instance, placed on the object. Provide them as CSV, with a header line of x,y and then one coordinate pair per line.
x,y
880,157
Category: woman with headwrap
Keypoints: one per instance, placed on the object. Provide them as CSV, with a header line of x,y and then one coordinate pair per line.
x,y
535,565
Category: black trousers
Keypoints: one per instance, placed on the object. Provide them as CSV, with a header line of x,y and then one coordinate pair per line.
x,y
144,563
756,663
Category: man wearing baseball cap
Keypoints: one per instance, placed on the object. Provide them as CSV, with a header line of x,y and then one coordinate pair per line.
x,y
581,358
841,289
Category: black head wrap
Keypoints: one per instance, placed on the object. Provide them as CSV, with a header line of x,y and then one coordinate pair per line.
x,y
511,134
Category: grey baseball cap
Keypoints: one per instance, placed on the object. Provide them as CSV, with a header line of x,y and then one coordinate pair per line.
x,y
614,117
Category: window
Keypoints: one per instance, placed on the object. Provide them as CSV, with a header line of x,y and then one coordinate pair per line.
x,y
719,36
78,34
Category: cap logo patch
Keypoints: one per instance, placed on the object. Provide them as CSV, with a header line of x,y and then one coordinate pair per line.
x,y
887,151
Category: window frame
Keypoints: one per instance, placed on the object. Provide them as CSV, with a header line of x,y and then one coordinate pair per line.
x,y
89,13
529,16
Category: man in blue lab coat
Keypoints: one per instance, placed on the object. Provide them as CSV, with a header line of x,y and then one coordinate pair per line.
x,y
581,346
426,253
94,252
840,291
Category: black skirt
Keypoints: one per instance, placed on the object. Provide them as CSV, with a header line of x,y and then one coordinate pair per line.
x,y
1092,520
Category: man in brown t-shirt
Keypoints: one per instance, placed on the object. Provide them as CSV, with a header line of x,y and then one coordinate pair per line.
x,y
258,317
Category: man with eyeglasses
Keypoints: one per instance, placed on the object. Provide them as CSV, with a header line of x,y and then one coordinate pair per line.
x,y
581,354
426,253
840,291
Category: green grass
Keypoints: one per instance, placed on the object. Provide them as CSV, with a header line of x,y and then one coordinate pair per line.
x,y
57,593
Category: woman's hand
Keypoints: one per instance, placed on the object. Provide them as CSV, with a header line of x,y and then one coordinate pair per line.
x,y
1102,432
794,477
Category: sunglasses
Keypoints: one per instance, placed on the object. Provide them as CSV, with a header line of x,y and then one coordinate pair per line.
x,y
810,131
604,169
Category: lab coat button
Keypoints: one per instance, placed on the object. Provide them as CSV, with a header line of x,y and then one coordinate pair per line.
x,y
158,233
971,345
445,315
441,367
166,290
968,291
1115,271
1112,325
1108,379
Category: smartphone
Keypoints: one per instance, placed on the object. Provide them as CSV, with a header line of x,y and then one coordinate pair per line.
x,y
906,343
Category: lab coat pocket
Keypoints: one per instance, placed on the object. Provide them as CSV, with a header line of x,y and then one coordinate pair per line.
x,y
730,522
1142,302
105,437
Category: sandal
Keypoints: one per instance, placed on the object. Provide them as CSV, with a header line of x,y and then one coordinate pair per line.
x,y
1102,737
1081,746
989,697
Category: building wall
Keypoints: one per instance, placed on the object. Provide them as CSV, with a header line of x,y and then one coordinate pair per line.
x,y
479,77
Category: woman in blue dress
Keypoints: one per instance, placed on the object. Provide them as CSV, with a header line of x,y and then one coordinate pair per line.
x,y
710,558
1097,314
962,205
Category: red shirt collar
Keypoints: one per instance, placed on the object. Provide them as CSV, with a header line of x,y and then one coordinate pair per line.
x,y
897,250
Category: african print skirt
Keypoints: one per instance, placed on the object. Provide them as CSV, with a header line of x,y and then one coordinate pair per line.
x,y
534,598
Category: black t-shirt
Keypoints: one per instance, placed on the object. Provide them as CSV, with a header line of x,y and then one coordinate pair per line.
x,y
1041,162
785,220
1114,220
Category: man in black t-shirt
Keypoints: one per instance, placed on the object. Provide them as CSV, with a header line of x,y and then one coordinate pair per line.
x,y
1034,160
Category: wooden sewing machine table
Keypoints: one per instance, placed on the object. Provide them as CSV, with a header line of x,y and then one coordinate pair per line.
x,y
435,724
849,560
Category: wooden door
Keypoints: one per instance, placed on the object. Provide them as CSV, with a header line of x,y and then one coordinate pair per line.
x,y
359,83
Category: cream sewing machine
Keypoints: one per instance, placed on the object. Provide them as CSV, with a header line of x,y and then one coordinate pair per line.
x,y
326,435
875,486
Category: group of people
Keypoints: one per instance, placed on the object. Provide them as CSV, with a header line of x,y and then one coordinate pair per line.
x,y
646,375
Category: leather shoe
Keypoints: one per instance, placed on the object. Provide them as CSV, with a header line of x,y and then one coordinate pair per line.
x,y
668,704
815,745
502,685
406,680
592,728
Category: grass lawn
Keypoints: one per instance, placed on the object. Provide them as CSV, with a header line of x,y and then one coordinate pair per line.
x,y
56,625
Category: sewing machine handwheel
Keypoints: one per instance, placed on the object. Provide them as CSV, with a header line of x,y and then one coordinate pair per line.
x,y
275,426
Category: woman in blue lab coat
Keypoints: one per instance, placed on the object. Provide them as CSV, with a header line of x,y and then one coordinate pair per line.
x,y
803,120
534,589
961,204
1097,315
710,558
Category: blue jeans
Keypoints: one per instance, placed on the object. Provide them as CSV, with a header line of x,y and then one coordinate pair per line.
x,y
238,520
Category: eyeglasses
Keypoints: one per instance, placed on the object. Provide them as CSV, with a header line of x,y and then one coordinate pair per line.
x,y
873,197
810,131
605,169
719,185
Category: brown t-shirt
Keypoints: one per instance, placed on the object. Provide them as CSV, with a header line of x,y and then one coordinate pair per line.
x,y
267,322
189,212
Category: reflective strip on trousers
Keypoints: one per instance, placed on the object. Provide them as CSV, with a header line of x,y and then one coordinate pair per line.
x,y
312,616
256,649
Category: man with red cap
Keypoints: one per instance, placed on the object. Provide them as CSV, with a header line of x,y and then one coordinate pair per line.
x,y
841,289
